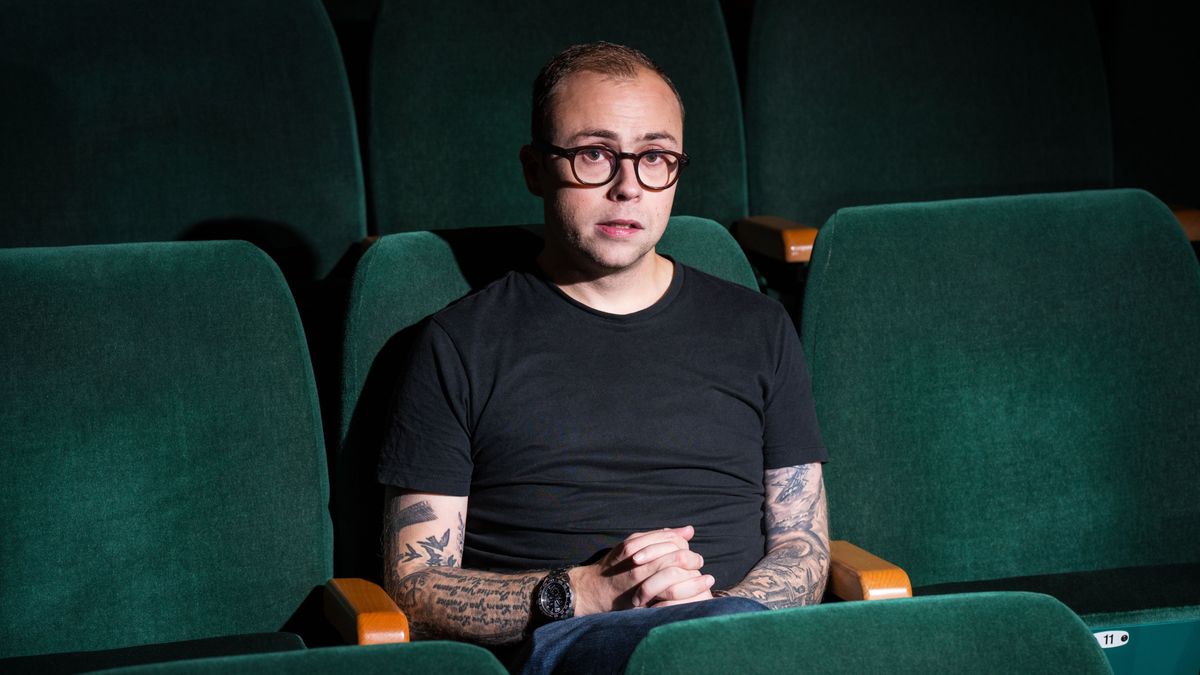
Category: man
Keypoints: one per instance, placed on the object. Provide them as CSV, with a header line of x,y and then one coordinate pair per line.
x,y
607,431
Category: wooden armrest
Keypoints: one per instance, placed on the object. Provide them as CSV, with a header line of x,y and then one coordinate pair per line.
x,y
1189,220
363,613
775,237
855,574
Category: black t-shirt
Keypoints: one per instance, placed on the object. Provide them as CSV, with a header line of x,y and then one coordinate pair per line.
x,y
570,428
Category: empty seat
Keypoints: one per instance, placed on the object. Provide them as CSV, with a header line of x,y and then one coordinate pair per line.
x,y
450,91
1011,389
139,121
163,475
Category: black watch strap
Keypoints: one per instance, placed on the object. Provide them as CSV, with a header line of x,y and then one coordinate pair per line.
x,y
553,598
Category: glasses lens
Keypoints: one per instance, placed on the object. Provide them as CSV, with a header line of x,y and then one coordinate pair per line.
x,y
594,166
658,170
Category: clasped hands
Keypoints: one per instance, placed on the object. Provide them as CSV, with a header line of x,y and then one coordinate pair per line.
x,y
648,569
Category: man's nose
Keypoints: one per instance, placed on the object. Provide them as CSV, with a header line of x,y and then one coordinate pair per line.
x,y
625,185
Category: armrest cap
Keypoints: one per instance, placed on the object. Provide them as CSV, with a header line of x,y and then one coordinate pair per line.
x,y
855,574
777,238
1189,220
363,613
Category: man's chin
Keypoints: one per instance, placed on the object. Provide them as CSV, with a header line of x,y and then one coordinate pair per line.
x,y
611,262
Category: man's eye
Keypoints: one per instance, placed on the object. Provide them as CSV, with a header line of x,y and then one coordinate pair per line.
x,y
594,155
653,158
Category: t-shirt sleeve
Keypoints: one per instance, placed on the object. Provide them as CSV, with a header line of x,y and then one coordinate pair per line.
x,y
791,435
427,444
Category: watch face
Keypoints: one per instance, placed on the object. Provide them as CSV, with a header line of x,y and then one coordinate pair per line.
x,y
554,598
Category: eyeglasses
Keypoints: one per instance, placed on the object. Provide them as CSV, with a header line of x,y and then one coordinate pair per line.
x,y
597,165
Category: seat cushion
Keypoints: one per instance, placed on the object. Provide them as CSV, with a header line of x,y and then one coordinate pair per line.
x,y
76,662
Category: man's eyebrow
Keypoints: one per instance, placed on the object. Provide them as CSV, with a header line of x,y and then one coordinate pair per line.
x,y
658,136
612,135
594,133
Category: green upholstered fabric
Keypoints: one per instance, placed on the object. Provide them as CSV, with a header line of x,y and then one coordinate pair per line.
x,y
163,475
976,633
871,102
1009,386
148,121
80,662
449,658
407,276
1185,614
702,243
450,103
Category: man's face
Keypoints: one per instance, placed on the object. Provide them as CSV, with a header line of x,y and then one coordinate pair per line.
x,y
607,228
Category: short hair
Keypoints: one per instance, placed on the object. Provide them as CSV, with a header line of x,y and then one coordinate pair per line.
x,y
605,58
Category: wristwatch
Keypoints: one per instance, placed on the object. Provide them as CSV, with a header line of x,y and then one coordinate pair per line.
x,y
553,598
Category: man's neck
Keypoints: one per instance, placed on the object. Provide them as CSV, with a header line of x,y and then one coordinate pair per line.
x,y
620,292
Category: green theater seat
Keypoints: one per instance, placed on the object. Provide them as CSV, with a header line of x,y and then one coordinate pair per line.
x,y
977,633
163,481
141,121
450,104
1010,387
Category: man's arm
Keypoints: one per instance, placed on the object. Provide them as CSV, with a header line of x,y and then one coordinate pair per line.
x,y
796,566
423,544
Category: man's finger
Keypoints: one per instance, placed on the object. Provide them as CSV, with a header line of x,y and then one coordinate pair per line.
x,y
655,551
661,586
677,537
689,590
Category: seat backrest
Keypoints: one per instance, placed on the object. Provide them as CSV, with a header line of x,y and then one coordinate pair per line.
x,y
976,633
404,278
416,657
143,121
450,91
873,102
163,475
1009,386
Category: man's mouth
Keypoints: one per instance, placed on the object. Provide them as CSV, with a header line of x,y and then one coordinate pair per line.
x,y
620,228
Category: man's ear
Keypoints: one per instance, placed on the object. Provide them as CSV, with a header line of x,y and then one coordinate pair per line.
x,y
531,167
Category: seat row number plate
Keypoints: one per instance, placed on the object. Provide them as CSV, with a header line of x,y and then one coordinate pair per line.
x,y
1110,639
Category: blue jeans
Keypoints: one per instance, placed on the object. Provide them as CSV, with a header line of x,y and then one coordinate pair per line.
x,y
603,643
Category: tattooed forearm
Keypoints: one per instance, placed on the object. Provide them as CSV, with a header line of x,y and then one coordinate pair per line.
x,y
424,539
471,605
434,551
789,576
414,514
796,566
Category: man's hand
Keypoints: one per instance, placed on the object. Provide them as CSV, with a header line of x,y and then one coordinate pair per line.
x,y
648,568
